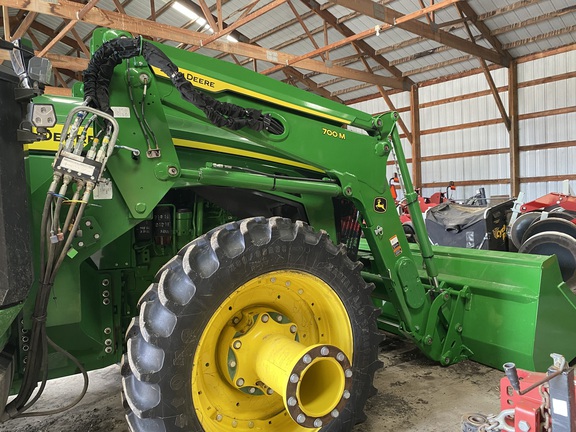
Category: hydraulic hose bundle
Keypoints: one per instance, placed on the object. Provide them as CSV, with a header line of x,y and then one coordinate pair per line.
x,y
70,169
99,73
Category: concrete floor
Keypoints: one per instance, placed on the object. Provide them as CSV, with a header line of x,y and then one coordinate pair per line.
x,y
415,394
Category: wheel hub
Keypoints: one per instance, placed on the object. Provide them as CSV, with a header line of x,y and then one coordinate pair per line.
x,y
313,381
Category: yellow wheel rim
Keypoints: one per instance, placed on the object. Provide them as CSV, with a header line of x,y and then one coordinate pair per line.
x,y
293,298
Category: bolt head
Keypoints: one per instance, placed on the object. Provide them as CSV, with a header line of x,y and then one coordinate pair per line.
x,y
232,364
301,418
240,382
252,390
265,318
346,394
292,401
317,423
348,373
523,426
324,351
340,356
294,378
270,391
219,417
307,359
335,413
293,329
237,344
279,318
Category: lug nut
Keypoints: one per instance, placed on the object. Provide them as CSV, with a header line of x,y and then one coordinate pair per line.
x,y
293,329
219,417
232,364
317,423
252,390
335,413
270,391
307,359
292,401
301,418
237,344
265,318
340,356
324,351
279,318
294,378
346,394
240,382
348,373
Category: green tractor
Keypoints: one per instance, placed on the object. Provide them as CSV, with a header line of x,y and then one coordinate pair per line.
x,y
233,242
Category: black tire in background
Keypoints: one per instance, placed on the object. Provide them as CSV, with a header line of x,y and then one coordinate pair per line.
x,y
175,311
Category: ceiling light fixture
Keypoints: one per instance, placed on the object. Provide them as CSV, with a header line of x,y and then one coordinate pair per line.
x,y
186,11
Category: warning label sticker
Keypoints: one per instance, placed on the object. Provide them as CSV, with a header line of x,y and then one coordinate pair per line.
x,y
395,245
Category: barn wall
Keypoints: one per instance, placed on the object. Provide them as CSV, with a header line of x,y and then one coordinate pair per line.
x,y
464,139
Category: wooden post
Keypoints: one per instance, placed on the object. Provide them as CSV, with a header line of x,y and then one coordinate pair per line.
x,y
514,129
415,120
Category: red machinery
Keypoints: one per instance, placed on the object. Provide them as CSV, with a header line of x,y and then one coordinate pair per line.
x,y
532,401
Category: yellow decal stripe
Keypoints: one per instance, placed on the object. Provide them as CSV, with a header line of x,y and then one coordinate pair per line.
x,y
237,152
214,85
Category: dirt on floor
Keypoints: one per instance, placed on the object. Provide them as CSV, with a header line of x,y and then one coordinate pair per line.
x,y
414,394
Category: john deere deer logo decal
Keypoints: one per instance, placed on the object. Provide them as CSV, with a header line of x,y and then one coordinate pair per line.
x,y
380,205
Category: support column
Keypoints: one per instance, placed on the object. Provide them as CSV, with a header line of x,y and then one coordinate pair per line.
x,y
514,129
416,153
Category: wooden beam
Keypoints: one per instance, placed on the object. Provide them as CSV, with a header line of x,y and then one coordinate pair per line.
x,y
514,129
239,23
365,47
483,28
6,22
105,18
24,25
79,15
208,15
80,42
490,80
416,145
390,16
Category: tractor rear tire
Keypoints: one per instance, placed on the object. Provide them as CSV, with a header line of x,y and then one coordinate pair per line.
x,y
176,373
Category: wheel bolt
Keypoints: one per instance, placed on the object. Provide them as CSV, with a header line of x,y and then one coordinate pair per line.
x,y
232,364
324,351
292,401
235,320
348,373
252,390
340,356
294,378
219,417
237,344
335,413
307,359
346,394
240,382
301,418
317,423
293,329
279,318
265,318
270,391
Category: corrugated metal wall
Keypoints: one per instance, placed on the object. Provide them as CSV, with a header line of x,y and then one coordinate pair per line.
x,y
468,136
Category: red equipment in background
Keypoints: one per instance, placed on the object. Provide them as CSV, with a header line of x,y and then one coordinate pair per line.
x,y
532,401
